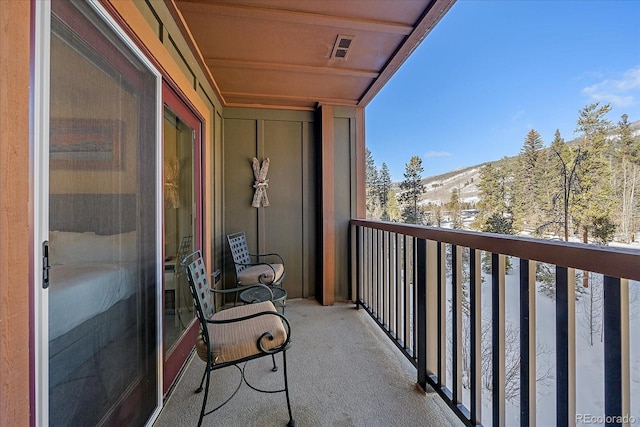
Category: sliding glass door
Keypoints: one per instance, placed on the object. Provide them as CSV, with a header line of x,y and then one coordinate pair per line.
x,y
103,225
182,185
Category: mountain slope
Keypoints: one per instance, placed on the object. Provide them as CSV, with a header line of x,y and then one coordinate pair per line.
x,y
438,188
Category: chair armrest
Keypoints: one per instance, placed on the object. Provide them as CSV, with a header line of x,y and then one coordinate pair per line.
x,y
258,256
265,334
261,263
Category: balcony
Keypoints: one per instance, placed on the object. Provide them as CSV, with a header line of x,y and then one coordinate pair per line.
x,y
342,371
445,303
448,300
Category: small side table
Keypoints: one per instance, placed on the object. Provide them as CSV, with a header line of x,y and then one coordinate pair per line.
x,y
260,294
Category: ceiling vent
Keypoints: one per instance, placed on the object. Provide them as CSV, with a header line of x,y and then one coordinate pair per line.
x,y
341,47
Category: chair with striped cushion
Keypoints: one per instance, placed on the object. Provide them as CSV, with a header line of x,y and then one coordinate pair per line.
x,y
254,268
236,335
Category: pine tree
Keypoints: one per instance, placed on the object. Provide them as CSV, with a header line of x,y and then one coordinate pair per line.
x,y
455,209
393,208
372,200
560,178
384,188
438,216
628,156
529,179
593,197
494,203
413,188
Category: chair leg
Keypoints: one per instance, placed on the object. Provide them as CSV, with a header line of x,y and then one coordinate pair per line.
x,y
204,374
206,394
291,422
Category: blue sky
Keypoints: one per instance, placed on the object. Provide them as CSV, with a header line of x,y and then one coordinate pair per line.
x,y
492,70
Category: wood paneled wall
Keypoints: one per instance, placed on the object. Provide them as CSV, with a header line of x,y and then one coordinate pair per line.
x,y
313,189
288,225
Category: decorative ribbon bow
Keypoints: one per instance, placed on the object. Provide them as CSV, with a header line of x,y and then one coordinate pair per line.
x,y
261,182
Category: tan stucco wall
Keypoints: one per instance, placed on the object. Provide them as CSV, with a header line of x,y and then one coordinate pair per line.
x,y
14,213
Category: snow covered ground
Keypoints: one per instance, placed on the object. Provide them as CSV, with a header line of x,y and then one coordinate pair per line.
x,y
589,358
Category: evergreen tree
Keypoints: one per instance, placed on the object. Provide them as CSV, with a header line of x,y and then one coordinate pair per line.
x,y
494,195
628,156
384,188
594,196
529,179
455,209
500,224
393,208
438,216
561,175
583,196
413,188
372,200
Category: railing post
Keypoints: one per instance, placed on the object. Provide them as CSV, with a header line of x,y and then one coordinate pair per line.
x,y
393,325
432,309
385,281
421,295
375,256
456,319
497,338
409,314
616,351
527,343
442,324
398,258
408,284
414,299
357,276
366,276
565,347
475,335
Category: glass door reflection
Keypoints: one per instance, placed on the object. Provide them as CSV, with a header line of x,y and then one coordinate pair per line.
x,y
178,225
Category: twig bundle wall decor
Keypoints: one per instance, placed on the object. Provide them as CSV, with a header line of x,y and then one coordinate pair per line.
x,y
261,182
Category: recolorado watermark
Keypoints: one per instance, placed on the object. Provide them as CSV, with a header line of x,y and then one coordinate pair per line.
x,y
605,419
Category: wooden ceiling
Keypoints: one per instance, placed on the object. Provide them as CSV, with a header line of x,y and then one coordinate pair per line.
x,y
278,53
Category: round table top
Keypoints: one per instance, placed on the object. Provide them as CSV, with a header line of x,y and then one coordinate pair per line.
x,y
260,294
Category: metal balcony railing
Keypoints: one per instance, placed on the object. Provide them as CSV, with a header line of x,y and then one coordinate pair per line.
x,y
422,285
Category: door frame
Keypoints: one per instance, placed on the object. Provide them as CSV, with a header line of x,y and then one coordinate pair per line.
x,y
178,104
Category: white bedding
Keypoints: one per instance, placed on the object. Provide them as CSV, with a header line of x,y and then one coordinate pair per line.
x,y
77,292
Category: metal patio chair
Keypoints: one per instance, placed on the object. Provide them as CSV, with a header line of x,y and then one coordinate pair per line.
x,y
235,335
250,268
179,276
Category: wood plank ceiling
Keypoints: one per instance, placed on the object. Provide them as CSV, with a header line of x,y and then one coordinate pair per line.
x,y
296,54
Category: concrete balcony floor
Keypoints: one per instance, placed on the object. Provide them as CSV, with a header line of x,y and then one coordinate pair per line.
x,y
343,371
